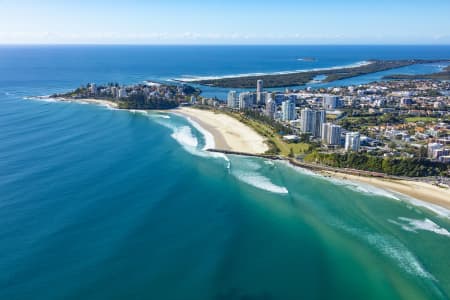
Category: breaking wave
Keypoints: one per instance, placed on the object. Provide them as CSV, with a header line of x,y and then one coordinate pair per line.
x,y
259,181
392,248
414,225
250,171
184,136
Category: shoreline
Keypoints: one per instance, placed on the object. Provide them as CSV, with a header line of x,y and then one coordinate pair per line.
x,y
422,191
417,190
107,103
243,75
302,77
229,134
236,138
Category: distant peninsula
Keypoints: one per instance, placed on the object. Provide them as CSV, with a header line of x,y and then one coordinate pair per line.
x,y
146,96
443,75
302,78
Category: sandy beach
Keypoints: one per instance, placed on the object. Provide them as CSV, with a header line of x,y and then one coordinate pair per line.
x,y
229,133
419,190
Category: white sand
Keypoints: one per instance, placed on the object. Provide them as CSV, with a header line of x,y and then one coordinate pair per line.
x,y
418,190
229,133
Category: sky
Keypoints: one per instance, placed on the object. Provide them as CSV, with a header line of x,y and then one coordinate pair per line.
x,y
225,22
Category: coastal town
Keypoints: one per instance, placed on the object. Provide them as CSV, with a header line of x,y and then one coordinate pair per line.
x,y
397,128
150,95
370,124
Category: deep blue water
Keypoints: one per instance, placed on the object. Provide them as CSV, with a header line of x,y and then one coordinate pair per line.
x,y
54,68
104,204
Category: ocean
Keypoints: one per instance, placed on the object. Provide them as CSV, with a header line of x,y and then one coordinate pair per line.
x,y
97,203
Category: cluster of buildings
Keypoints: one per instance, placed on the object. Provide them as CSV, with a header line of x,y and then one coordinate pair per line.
x,y
306,111
149,90
440,150
285,108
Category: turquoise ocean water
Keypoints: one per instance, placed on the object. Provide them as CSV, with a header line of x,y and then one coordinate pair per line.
x,y
98,203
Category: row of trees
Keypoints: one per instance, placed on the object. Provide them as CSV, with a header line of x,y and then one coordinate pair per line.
x,y
277,126
140,101
411,167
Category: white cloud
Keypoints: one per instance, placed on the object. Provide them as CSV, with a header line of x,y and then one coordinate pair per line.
x,y
195,37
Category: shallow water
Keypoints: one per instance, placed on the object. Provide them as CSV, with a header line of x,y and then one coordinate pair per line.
x,y
107,204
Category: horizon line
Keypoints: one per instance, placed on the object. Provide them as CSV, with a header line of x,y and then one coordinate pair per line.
x,y
218,44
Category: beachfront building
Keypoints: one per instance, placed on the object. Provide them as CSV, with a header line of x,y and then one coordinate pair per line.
x,y
331,134
114,92
259,92
93,89
246,100
122,93
320,118
288,111
352,141
271,107
312,120
233,100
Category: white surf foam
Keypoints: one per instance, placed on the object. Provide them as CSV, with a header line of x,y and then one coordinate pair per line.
x,y
42,99
160,116
371,190
209,142
209,138
184,136
259,181
269,163
190,78
360,187
137,111
248,170
413,225
438,210
390,247
397,251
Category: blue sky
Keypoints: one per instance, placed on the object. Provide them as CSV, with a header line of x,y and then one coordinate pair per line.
x,y
225,22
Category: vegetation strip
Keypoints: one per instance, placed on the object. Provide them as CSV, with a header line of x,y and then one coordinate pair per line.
x,y
302,78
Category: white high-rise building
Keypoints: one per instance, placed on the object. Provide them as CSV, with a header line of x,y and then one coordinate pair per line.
x,y
114,91
331,102
233,99
312,120
93,88
331,134
288,111
352,141
307,120
122,93
432,147
320,118
271,107
245,100
259,90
